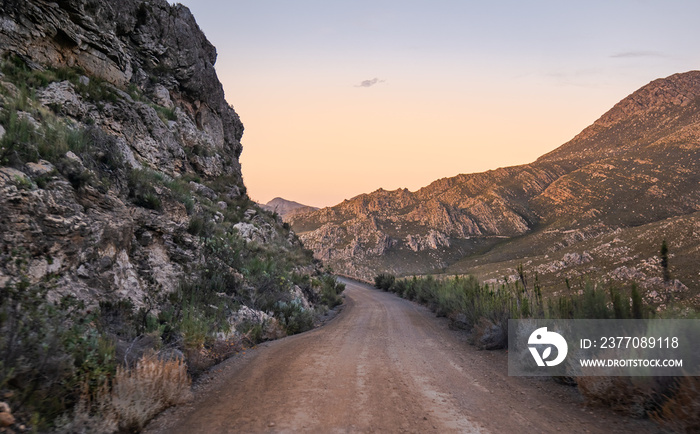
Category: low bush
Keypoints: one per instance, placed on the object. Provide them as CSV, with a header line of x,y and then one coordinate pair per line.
x,y
485,309
330,291
196,225
142,188
17,71
165,114
136,395
633,396
294,317
384,281
49,351
252,332
17,146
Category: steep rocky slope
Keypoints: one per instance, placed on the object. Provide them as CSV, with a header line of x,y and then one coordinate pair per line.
x,y
125,224
635,166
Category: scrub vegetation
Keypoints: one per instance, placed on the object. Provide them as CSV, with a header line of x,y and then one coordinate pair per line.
x,y
484,310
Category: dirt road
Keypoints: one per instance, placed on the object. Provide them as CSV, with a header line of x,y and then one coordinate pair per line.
x,y
383,365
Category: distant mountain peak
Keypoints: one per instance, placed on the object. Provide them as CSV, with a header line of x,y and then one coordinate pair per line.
x,y
639,119
285,207
678,89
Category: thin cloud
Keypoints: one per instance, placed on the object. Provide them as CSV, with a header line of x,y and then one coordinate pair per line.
x,y
587,78
370,83
633,54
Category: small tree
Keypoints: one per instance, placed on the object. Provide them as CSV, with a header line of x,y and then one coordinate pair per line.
x,y
664,261
637,304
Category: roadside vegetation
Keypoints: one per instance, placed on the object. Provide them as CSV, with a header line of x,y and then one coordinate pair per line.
x,y
64,363
484,310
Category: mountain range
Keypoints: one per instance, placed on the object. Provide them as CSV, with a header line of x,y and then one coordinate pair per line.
x,y
597,207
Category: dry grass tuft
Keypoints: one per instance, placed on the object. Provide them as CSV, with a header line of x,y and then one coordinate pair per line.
x,y
137,395
153,385
619,393
681,413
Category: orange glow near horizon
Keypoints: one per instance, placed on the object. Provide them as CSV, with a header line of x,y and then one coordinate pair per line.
x,y
321,146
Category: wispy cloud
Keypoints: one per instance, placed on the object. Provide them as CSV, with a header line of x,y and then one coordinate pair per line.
x,y
370,83
633,54
588,78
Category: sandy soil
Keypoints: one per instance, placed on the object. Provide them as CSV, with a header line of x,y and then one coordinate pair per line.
x,y
383,365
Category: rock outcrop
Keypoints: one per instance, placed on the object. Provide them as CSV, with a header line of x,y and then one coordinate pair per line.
x,y
152,46
123,99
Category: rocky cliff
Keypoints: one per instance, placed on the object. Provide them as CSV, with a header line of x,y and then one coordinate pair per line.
x,y
125,227
151,46
136,80
635,166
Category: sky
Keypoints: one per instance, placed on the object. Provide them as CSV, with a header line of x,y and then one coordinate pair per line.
x,y
340,98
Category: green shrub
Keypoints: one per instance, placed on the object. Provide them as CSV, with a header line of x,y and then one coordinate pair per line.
x,y
252,331
195,327
399,287
17,146
142,188
485,309
210,296
200,226
180,191
293,317
596,303
384,281
165,114
17,71
330,291
49,352
97,90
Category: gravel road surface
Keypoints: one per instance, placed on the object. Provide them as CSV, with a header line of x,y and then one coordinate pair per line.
x,y
384,364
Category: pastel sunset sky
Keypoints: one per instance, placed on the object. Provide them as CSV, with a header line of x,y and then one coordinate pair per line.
x,y
340,98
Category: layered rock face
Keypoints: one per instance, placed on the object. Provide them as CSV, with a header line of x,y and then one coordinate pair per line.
x,y
153,46
635,166
119,149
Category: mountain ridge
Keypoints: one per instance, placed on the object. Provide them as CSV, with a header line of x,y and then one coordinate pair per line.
x,y
636,165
